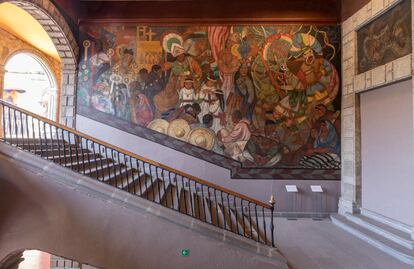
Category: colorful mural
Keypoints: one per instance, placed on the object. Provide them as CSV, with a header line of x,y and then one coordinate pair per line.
x,y
265,96
386,38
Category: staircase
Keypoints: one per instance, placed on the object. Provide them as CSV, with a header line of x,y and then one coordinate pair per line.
x,y
379,232
146,179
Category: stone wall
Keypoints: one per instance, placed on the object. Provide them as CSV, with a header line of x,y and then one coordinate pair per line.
x,y
352,85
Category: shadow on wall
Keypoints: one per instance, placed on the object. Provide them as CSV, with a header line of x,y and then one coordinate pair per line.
x,y
15,198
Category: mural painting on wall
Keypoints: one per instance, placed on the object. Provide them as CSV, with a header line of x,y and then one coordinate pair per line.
x,y
386,38
265,96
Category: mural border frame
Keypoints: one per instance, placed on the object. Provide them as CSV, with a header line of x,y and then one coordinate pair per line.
x,y
237,171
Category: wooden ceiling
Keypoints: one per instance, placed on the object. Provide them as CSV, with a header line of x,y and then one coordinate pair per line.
x,y
210,11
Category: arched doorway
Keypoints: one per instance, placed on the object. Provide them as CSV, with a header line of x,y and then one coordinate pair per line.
x,y
29,83
50,18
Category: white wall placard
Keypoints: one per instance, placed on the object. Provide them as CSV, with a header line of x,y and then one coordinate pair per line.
x,y
316,188
291,188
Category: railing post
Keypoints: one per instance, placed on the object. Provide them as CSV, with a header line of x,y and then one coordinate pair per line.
x,y
272,226
2,123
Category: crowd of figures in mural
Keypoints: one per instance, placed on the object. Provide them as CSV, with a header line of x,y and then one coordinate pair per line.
x,y
266,96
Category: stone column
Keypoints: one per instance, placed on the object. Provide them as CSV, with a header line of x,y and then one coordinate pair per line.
x,y
68,97
350,200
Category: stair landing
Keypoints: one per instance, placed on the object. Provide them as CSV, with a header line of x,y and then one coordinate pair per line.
x,y
386,238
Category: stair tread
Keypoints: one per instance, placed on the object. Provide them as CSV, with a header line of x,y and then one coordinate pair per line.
x,y
385,227
73,154
374,236
92,161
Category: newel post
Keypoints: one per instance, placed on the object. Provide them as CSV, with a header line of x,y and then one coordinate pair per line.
x,y
272,226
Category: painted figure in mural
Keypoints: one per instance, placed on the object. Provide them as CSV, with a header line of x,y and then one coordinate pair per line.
x,y
189,112
121,103
235,141
155,84
228,65
264,148
141,109
125,70
216,108
326,148
321,113
187,94
310,66
101,98
141,84
182,67
244,95
212,102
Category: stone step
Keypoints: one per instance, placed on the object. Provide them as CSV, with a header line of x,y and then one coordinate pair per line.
x,y
390,247
58,151
395,235
97,162
66,158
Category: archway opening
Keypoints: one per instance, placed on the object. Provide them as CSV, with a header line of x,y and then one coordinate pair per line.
x,y
29,83
41,26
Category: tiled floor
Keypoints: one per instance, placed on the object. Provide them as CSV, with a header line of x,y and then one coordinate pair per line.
x,y
309,244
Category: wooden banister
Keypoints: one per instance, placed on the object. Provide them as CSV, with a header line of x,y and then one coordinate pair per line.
x,y
136,156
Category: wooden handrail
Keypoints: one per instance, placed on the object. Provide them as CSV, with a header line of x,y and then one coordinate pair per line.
x,y
136,156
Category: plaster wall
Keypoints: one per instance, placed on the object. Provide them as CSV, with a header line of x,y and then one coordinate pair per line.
x,y
387,155
304,201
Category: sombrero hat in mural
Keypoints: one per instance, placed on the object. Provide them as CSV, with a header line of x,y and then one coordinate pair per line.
x,y
201,137
179,129
159,125
173,43
223,132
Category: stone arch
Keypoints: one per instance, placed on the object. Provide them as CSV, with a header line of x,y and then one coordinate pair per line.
x,y
46,13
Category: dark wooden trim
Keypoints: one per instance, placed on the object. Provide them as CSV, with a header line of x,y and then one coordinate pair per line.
x,y
210,21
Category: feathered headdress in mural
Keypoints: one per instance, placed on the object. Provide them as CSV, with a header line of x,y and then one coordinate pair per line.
x,y
301,42
173,43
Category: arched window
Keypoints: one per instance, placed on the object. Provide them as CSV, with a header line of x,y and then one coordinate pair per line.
x,y
29,83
